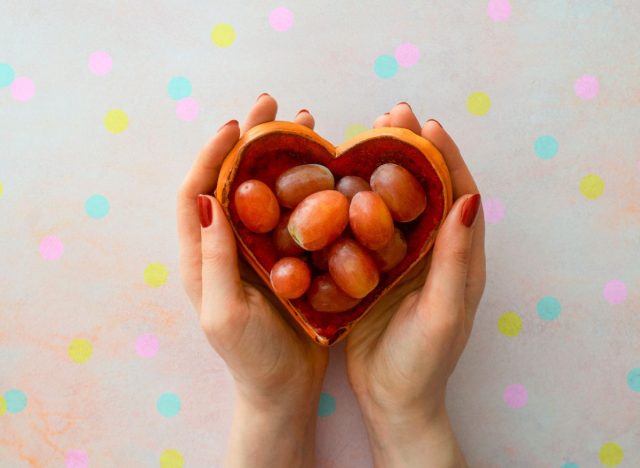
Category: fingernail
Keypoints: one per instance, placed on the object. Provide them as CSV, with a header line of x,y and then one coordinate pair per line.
x,y
434,120
470,209
205,211
405,103
387,113
263,94
301,111
229,122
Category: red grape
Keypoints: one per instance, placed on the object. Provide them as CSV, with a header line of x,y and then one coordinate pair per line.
x,y
257,206
393,253
324,295
400,190
285,245
350,185
352,268
290,277
370,220
297,183
319,219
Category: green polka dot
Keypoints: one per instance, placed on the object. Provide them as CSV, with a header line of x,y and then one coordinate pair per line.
x,y
16,400
546,147
548,308
479,103
353,130
7,75
179,88
327,405
171,458
156,274
386,66
611,454
510,324
168,404
96,206
633,379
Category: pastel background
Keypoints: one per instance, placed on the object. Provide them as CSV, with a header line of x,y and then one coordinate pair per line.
x,y
103,106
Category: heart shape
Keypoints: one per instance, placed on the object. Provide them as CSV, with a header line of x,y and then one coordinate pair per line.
x,y
268,149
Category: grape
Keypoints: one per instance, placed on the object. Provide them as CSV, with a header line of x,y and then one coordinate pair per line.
x,y
319,219
297,183
290,277
400,190
320,258
324,295
391,254
350,185
352,268
370,220
285,245
257,206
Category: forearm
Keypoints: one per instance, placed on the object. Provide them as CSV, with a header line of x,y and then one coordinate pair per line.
x,y
268,437
411,439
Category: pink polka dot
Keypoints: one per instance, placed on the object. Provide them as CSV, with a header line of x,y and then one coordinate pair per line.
x,y
51,248
100,63
499,10
76,459
515,396
187,109
147,345
494,210
615,292
281,19
23,89
407,54
587,87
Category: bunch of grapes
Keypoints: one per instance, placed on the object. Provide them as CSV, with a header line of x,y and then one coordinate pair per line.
x,y
347,230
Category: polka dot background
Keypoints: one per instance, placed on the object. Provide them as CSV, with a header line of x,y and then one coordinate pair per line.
x,y
104,361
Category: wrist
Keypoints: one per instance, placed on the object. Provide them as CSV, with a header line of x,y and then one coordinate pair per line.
x,y
412,437
265,434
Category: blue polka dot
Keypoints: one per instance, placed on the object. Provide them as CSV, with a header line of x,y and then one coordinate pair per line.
x,y
386,66
546,147
16,400
633,379
179,88
548,308
570,465
6,75
327,405
168,404
96,206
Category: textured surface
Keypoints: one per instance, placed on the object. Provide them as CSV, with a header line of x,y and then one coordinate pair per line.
x,y
102,361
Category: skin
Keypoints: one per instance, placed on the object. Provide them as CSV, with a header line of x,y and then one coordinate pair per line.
x,y
399,357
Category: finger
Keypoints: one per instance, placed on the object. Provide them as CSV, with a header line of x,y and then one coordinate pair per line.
x,y
441,302
463,182
304,117
383,120
222,290
402,116
264,110
201,179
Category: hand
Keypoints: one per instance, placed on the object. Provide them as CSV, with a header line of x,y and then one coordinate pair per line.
x,y
400,356
278,370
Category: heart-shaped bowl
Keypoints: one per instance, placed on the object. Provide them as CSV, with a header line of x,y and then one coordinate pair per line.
x,y
267,150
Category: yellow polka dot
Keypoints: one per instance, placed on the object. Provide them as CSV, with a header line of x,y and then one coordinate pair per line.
x,y
223,35
3,405
592,186
171,458
611,454
479,103
1,189
80,350
116,121
353,130
510,324
155,274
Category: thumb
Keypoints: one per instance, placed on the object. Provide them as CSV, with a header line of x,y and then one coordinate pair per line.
x,y
443,292
222,292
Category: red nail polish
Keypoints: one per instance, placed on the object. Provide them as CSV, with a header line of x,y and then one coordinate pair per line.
x,y
470,209
301,111
387,113
229,122
434,120
263,94
205,211
405,103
